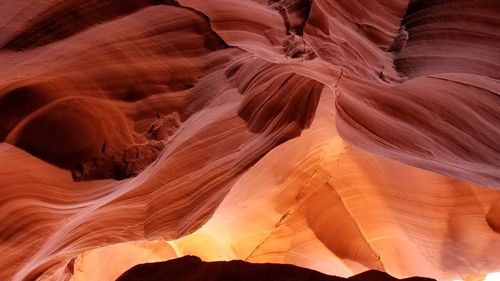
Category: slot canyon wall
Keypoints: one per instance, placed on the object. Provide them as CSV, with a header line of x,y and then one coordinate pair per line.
x,y
335,135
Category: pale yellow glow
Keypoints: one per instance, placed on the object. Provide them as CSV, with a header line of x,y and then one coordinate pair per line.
x,y
495,276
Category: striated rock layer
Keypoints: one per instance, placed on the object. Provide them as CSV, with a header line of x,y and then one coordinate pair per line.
x,y
335,135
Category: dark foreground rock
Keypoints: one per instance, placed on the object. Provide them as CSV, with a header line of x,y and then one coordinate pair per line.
x,y
190,268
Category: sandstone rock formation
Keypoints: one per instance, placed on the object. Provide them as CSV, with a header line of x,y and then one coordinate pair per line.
x,y
191,268
335,135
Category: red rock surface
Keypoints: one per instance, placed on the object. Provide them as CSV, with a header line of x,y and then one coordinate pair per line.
x,y
335,135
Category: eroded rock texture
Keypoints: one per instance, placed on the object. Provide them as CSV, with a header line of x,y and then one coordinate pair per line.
x,y
339,135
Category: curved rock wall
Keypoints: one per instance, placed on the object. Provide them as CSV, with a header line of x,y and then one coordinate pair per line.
x,y
335,135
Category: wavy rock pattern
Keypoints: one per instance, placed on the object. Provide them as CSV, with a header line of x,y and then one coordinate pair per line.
x,y
451,37
218,121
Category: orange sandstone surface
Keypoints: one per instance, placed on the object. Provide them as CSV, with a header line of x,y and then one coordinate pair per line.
x,y
339,136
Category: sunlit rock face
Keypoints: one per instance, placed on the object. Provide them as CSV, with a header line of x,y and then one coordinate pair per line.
x,y
339,136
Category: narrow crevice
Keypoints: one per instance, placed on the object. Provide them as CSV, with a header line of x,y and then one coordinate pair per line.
x,y
295,15
285,215
375,253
